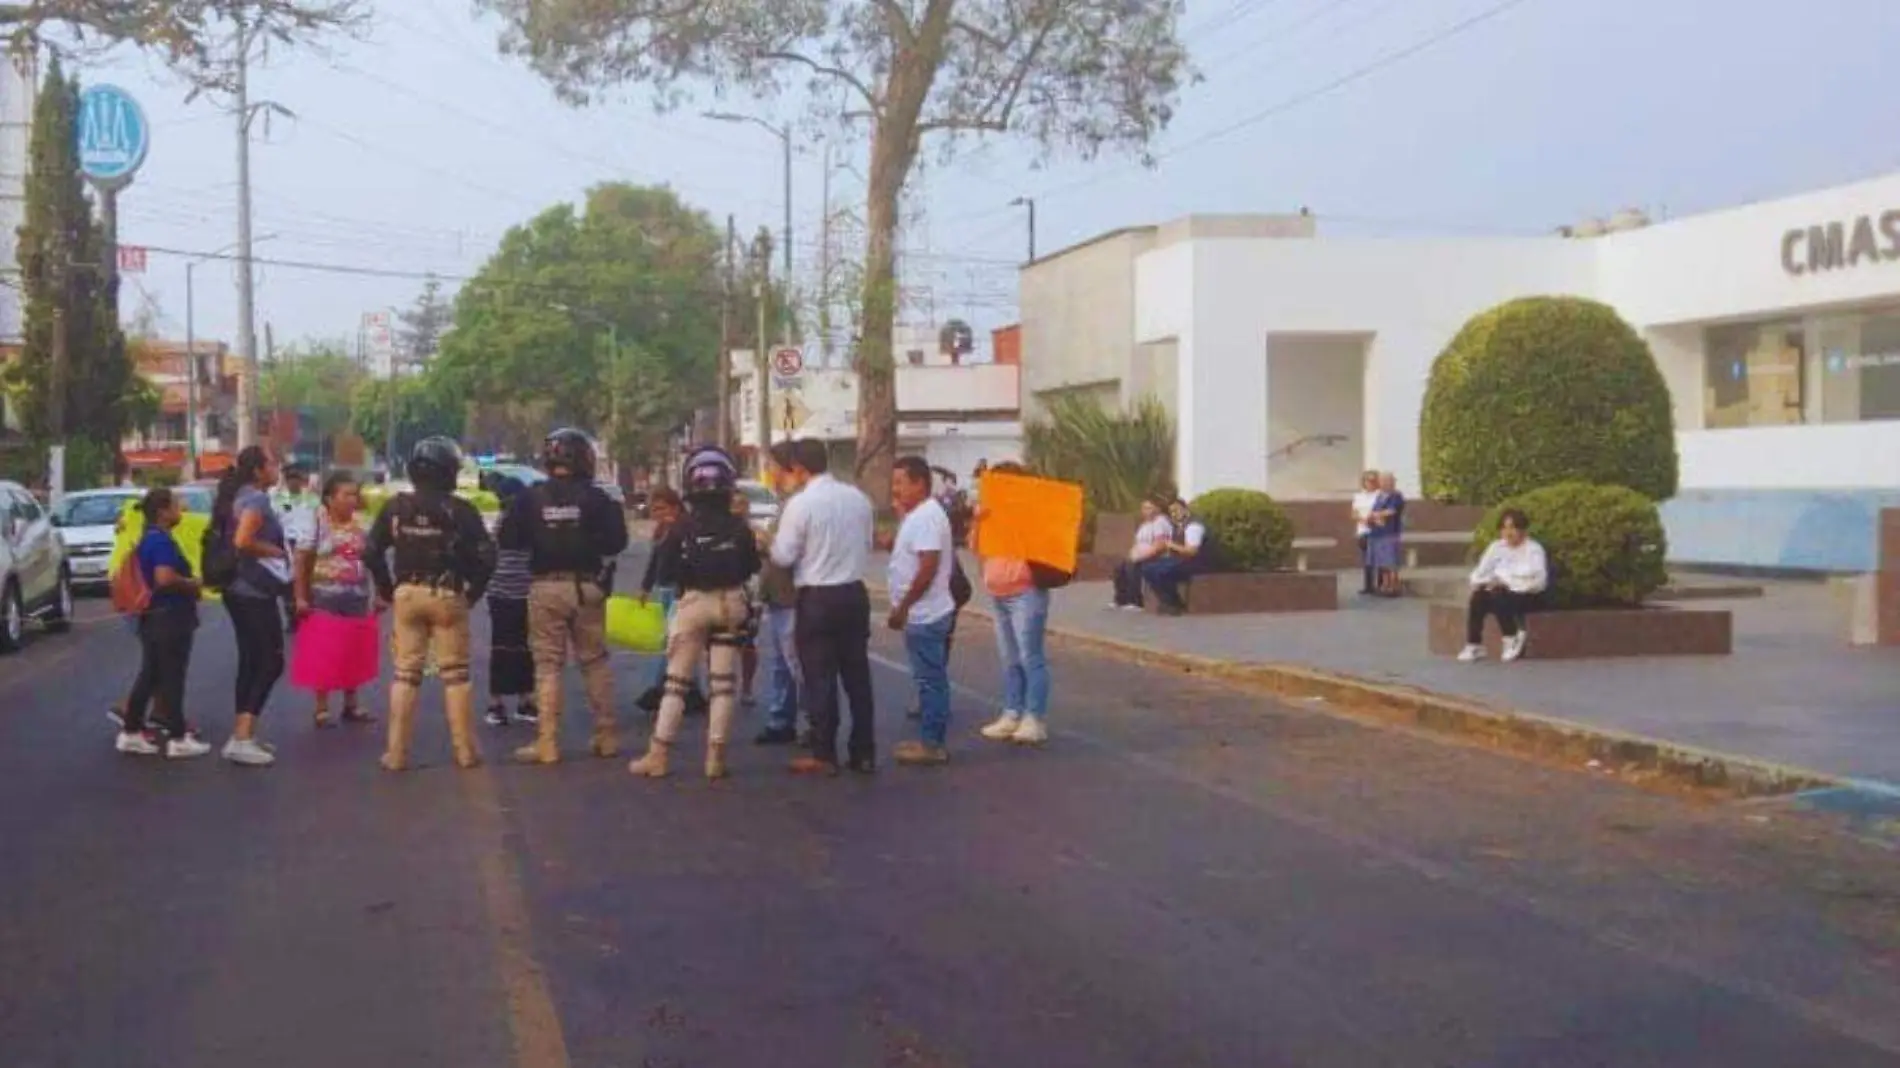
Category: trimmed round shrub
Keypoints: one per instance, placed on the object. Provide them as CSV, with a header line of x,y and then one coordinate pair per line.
x,y
1251,532
1540,391
1605,544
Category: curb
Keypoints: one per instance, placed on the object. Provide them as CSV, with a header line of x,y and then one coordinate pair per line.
x,y
1632,757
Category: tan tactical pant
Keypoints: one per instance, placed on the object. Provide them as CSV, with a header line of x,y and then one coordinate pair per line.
x,y
430,621
703,619
561,613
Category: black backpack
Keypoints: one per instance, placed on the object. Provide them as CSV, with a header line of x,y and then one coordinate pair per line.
x,y
218,555
960,589
1048,576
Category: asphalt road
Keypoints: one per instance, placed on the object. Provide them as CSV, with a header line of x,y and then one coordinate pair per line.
x,y
1185,876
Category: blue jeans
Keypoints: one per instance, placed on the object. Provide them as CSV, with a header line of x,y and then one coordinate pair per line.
x,y
929,647
778,656
1164,575
1021,622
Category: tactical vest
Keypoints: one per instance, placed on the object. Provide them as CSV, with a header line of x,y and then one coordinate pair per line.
x,y
422,530
562,542
714,552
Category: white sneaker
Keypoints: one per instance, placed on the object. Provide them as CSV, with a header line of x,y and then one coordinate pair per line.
x,y
1030,732
1471,653
1514,646
137,744
1004,728
248,752
185,748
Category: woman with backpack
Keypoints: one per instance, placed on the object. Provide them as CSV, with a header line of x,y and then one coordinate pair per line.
x,y
338,647
1022,621
245,559
156,589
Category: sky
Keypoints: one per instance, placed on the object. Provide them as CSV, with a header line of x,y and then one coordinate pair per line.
x,y
414,149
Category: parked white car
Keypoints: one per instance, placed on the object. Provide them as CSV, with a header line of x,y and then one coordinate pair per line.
x,y
34,580
88,523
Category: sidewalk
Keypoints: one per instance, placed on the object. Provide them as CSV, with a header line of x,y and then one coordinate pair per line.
x,y
1794,692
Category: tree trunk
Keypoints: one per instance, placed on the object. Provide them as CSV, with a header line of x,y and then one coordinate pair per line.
x,y
877,386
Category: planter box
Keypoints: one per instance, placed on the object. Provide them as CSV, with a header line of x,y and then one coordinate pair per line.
x,y
1115,533
1264,591
1096,567
1594,633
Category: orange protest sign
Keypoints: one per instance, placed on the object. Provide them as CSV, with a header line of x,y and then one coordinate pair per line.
x,y
1024,518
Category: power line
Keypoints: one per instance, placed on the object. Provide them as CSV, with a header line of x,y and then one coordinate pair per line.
x,y
1356,74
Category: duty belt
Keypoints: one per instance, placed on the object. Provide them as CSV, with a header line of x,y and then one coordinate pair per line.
x,y
435,580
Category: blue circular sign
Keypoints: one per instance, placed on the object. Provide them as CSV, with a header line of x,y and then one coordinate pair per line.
x,y
113,134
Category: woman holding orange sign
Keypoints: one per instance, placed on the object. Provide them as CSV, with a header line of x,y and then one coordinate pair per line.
x,y
1023,522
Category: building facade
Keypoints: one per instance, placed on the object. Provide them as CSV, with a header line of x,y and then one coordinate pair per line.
x,y
1294,361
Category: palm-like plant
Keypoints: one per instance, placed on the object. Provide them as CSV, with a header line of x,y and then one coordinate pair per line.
x,y
1118,457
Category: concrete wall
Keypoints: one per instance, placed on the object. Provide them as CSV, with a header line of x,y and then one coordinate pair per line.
x,y
1316,391
1078,315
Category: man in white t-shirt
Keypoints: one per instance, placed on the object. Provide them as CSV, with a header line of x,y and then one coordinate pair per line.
x,y
921,605
1155,531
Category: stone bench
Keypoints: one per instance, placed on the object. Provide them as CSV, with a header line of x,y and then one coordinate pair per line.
x,y
1246,592
1593,633
1435,548
1306,550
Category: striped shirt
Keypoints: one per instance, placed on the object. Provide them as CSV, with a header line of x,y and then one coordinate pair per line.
x,y
511,576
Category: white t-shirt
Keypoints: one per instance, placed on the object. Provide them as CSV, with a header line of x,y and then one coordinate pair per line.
x,y
1151,535
926,529
1194,535
1362,503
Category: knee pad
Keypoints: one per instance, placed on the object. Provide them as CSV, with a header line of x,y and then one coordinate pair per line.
x,y
411,679
679,687
453,676
721,684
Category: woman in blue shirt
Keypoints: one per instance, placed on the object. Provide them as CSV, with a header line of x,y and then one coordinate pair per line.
x,y
165,628
255,600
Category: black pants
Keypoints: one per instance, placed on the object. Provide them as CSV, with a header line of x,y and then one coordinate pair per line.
x,y
510,663
1366,568
1510,608
1128,584
165,637
833,635
259,624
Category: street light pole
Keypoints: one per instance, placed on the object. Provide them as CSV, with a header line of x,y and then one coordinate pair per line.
x,y
784,134
1030,203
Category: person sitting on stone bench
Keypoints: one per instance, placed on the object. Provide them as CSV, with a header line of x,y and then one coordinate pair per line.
x,y
1507,583
1180,559
1154,532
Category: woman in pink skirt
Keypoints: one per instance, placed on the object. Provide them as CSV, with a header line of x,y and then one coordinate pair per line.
x,y
337,635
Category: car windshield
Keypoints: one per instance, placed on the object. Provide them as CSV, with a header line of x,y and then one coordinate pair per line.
x,y
758,495
195,500
101,510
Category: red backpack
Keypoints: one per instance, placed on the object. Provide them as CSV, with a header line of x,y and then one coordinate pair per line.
x,y
131,594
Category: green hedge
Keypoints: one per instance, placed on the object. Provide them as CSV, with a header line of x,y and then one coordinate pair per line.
x,y
1605,544
1540,391
1251,531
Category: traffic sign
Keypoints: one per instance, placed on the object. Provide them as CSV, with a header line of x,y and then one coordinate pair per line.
x,y
788,361
132,259
113,135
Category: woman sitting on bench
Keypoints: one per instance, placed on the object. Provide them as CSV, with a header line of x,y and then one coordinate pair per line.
x,y
1507,583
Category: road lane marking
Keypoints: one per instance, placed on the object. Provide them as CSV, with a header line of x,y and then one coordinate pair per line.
x,y
533,1021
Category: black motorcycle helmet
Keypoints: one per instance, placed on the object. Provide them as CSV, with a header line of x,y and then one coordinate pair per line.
x,y
709,473
435,463
569,448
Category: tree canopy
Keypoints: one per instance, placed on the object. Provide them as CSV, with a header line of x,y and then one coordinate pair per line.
x,y
188,34
1078,75
607,314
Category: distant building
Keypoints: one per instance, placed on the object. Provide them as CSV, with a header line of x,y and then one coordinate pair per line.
x,y
164,445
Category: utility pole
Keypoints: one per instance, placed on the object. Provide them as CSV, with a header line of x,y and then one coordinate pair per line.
x,y
824,263
247,295
764,362
785,313
191,377
723,416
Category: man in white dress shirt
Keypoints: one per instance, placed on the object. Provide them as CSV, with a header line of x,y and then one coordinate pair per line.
x,y
824,536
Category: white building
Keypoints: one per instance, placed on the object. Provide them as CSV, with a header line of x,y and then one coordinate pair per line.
x,y
1293,361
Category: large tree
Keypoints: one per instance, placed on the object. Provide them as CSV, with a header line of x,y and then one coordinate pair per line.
x,y
420,336
191,35
317,378
73,380
1082,75
603,317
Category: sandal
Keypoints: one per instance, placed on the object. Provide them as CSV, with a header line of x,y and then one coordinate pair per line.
x,y
321,718
353,713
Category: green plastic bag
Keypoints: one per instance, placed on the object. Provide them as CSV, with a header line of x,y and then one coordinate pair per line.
x,y
637,627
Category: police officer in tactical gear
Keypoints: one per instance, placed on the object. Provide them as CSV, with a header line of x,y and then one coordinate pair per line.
x,y
444,559
572,532
715,554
